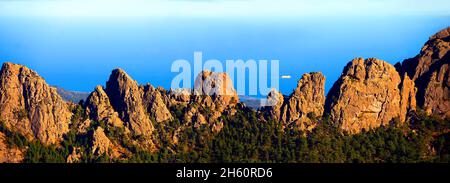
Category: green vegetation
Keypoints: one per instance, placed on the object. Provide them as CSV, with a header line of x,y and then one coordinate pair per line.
x,y
244,138
36,152
13,139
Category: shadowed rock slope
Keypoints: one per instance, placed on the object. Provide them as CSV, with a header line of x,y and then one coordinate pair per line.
x,y
430,72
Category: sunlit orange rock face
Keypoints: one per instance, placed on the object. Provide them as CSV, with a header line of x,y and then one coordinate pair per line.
x,y
306,102
369,94
29,106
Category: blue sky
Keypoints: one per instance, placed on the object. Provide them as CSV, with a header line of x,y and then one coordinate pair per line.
x,y
76,43
221,8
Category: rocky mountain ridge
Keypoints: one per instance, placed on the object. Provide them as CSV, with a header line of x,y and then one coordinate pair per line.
x,y
370,93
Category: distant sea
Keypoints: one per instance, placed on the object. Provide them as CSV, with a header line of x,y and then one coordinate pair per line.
x,y
79,53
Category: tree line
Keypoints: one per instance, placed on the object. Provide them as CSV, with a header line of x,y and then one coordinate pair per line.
x,y
245,138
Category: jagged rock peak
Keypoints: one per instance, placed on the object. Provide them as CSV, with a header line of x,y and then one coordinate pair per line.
x,y
408,97
437,92
214,83
430,73
306,101
98,108
366,96
432,54
443,34
275,100
126,98
28,105
215,90
310,92
154,101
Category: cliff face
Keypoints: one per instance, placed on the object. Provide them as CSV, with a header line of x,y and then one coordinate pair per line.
x,y
276,99
214,95
98,108
437,93
306,102
368,94
127,99
430,72
215,89
408,92
126,104
154,102
31,107
432,54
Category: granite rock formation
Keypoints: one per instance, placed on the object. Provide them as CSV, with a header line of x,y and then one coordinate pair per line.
x,y
126,98
98,108
367,95
430,72
155,104
29,106
214,95
304,104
